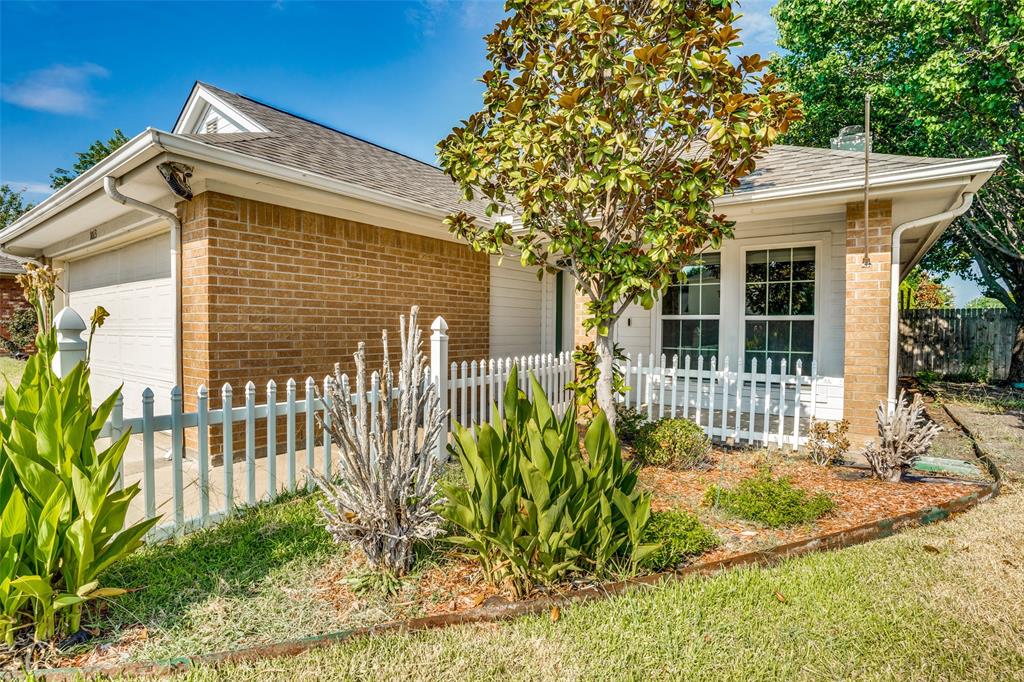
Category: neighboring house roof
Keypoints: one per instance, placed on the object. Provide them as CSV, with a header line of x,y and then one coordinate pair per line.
x,y
9,265
300,143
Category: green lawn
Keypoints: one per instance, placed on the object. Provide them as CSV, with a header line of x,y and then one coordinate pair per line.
x,y
945,602
10,370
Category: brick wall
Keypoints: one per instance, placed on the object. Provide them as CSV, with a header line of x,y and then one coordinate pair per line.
x,y
10,298
270,292
867,316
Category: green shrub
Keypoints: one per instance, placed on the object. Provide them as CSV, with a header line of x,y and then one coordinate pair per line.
x,y
628,423
533,509
19,329
679,535
61,521
774,502
677,443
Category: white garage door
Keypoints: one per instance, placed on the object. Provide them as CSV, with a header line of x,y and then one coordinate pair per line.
x,y
136,344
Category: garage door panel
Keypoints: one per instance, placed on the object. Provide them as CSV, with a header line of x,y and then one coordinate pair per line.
x,y
135,346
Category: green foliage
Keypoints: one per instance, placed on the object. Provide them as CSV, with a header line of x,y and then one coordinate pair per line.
x,y
533,508
679,535
587,374
609,130
947,80
12,205
919,289
672,442
19,329
927,376
628,423
985,303
62,521
96,152
774,502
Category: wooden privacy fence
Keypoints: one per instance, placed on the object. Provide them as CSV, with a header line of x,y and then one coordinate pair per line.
x,y
975,342
770,407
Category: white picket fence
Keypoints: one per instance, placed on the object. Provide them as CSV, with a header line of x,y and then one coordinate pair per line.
x,y
770,408
773,407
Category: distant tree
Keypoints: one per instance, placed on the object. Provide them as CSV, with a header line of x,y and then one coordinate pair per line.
x,y
12,205
96,152
946,79
984,302
609,129
920,290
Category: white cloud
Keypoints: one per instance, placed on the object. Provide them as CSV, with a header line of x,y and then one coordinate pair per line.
x,y
59,89
33,190
757,26
426,14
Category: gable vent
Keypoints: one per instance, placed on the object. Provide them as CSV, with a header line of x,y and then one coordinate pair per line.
x,y
211,126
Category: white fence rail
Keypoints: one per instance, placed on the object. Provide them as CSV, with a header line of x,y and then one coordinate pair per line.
x,y
769,407
269,445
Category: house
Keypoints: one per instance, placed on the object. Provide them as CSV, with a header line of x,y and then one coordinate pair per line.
x,y
251,243
11,297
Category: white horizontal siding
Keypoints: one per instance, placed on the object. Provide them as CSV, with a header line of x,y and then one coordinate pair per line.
x,y
518,307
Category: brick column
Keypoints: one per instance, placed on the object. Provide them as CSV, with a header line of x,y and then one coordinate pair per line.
x,y
867,316
580,337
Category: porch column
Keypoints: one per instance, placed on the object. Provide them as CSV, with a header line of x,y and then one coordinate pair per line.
x,y
867,317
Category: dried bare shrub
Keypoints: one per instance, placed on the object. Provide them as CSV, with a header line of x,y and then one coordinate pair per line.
x,y
383,500
904,435
827,442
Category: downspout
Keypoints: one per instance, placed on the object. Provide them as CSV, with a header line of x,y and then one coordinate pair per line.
x,y
966,200
110,187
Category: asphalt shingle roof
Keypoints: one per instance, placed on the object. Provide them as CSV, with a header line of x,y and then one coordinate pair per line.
x,y
302,144
9,265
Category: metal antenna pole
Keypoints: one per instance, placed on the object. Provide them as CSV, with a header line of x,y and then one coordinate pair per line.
x,y
867,163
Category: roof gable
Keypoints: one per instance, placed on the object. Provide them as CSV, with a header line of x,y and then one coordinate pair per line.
x,y
205,112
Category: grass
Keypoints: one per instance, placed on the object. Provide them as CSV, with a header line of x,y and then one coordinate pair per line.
x,y
10,372
944,602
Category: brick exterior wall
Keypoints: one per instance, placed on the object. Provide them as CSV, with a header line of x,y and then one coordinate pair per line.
x,y
10,298
867,316
270,292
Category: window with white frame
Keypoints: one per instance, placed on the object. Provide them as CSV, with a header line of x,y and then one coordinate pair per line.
x,y
691,312
779,307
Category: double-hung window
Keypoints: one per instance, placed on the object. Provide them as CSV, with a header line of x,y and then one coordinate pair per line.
x,y
691,312
779,307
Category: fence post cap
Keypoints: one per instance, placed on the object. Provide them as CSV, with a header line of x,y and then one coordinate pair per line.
x,y
68,320
439,325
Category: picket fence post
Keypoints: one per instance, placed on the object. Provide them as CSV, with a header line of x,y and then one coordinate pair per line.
x,y
71,348
439,376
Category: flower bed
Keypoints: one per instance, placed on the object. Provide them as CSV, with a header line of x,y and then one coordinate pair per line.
x,y
315,596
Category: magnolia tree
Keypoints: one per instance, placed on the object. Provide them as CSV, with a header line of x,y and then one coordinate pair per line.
x,y
608,130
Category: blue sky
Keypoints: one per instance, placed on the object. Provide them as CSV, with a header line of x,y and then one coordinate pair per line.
x,y
398,73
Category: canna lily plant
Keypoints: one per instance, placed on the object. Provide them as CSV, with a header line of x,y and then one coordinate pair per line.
x,y
62,522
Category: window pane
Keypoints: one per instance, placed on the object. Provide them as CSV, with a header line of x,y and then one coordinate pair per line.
x,y
779,267
756,336
670,301
803,336
778,299
803,263
689,336
756,299
750,357
712,271
778,335
757,266
710,298
803,298
669,335
804,359
690,302
776,360
709,334
692,353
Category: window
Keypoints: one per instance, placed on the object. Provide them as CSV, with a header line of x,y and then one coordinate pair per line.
x,y
690,312
779,293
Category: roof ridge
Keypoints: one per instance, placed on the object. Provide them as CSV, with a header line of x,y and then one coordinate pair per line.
x,y
322,125
860,154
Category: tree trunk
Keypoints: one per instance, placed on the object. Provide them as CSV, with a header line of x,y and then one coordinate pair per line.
x,y
1016,375
605,385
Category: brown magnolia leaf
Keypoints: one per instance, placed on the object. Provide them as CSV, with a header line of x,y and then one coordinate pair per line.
x,y
932,549
479,599
781,597
556,613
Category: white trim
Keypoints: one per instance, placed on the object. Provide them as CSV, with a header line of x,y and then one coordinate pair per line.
x,y
199,100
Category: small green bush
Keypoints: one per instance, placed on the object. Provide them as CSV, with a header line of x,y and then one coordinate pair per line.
x,y
676,443
628,423
680,535
774,502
